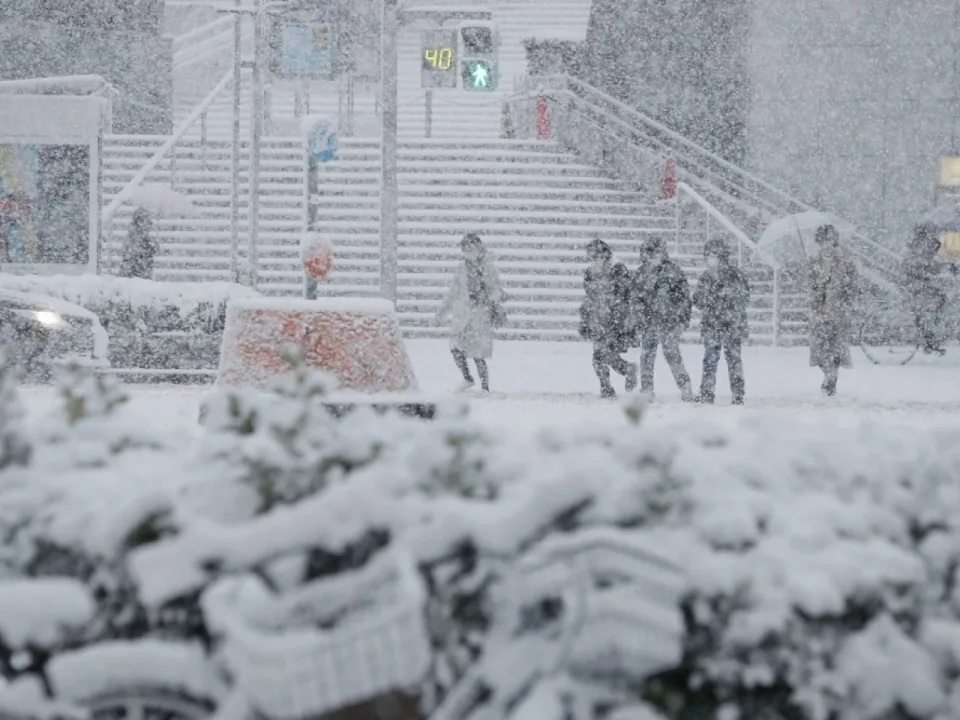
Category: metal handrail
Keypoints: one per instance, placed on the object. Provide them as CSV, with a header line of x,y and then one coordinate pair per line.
x,y
199,111
641,131
221,24
712,211
208,48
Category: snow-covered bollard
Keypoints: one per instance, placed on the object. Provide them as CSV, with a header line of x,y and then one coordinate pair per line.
x,y
356,339
316,255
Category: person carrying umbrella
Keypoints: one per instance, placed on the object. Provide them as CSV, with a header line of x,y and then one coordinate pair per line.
x,y
140,248
832,281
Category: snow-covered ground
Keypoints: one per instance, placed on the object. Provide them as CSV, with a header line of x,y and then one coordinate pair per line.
x,y
552,384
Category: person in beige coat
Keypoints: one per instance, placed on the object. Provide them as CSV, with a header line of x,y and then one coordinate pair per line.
x,y
833,290
473,308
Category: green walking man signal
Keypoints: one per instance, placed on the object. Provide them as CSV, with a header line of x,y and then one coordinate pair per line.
x,y
478,75
479,53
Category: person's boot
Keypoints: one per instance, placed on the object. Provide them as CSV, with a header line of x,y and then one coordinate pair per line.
x,y
484,372
829,386
607,391
705,398
686,393
738,399
631,382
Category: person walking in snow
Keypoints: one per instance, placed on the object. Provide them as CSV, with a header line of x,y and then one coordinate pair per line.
x,y
661,307
140,248
473,308
722,295
604,316
923,296
832,281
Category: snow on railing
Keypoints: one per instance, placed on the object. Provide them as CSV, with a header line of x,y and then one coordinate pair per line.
x,y
65,85
215,27
736,188
220,44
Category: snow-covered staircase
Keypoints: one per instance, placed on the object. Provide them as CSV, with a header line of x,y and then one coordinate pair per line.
x,y
535,204
198,249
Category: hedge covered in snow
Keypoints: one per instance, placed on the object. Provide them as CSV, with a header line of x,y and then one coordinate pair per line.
x,y
815,569
151,324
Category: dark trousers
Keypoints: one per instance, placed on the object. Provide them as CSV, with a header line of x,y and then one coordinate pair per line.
x,y
461,360
604,358
669,340
711,361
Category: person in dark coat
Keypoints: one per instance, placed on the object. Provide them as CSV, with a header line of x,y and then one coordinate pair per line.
x,y
924,298
604,316
833,290
140,248
722,295
661,308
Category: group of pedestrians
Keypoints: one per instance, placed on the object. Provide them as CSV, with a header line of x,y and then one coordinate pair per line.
x,y
651,308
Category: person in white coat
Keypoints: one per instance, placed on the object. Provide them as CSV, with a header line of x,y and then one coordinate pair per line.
x,y
472,309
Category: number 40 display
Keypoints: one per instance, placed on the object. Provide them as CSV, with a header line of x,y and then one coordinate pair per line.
x,y
438,59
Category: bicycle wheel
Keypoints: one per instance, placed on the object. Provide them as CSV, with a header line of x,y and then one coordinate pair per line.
x,y
888,338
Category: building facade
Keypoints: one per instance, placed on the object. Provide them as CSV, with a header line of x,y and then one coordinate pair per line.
x,y
853,102
845,104
122,40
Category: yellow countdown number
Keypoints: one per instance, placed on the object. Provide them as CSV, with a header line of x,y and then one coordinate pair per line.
x,y
439,58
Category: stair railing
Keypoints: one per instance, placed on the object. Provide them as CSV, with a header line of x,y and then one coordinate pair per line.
x,y
630,139
205,41
169,147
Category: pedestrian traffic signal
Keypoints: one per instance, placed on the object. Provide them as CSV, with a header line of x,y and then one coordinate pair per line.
x,y
478,75
479,49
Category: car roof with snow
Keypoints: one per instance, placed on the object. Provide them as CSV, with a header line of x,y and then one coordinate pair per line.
x,y
44,302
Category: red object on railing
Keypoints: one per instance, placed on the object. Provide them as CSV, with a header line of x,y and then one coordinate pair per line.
x,y
668,190
543,119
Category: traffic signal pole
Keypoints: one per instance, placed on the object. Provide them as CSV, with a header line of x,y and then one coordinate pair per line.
x,y
389,188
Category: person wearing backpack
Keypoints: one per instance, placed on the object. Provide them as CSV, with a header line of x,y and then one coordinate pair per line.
x,y
722,295
604,316
661,309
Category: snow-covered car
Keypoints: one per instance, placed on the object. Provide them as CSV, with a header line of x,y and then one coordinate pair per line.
x,y
42,333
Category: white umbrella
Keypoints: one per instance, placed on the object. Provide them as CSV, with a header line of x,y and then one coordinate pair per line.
x,y
163,200
791,240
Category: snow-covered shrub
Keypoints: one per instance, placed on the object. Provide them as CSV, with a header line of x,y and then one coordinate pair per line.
x,y
151,324
820,564
14,447
284,443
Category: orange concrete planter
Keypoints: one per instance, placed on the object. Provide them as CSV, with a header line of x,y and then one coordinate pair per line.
x,y
358,340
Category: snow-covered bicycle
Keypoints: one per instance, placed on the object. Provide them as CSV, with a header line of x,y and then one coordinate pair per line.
x,y
888,333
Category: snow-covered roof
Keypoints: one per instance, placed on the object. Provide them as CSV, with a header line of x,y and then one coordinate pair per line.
x,y
66,85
